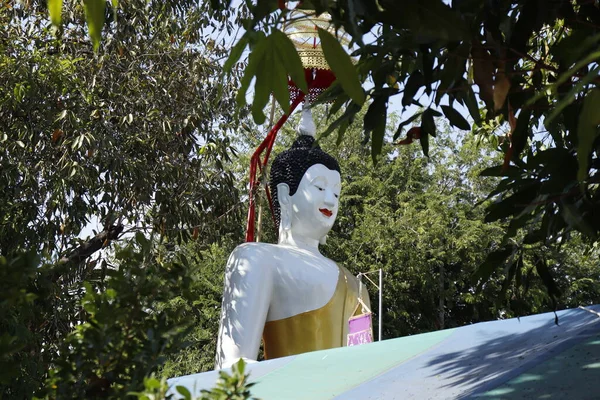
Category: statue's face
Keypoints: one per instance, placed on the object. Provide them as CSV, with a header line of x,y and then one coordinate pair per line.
x,y
315,203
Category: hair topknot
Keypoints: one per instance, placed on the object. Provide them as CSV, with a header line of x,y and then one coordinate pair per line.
x,y
291,165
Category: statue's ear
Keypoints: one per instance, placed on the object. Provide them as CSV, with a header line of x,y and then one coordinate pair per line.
x,y
285,205
283,194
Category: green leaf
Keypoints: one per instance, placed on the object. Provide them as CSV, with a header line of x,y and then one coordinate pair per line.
x,y
521,133
348,116
290,59
587,131
519,220
512,205
375,119
575,219
254,61
341,65
544,272
182,390
511,268
572,95
94,16
564,77
519,274
262,89
152,383
424,140
337,104
471,102
341,131
441,21
143,241
535,236
493,260
263,8
570,48
427,122
241,366
413,84
55,11
455,118
279,81
235,54
426,20
331,94
115,7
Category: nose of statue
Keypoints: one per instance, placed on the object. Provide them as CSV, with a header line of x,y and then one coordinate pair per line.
x,y
330,199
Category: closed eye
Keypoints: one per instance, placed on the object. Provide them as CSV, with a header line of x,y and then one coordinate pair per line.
x,y
319,187
337,196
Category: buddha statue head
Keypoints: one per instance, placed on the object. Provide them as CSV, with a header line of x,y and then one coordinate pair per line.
x,y
305,183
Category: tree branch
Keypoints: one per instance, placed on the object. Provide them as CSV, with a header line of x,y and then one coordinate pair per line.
x,y
96,243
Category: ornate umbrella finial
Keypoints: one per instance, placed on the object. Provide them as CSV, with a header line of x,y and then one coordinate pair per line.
x,y
307,125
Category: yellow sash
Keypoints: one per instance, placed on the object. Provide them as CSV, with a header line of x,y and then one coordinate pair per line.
x,y
323,328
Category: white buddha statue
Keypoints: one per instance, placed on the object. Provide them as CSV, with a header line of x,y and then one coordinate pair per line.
x,y
289,294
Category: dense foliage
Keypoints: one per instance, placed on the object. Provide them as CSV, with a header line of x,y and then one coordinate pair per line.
x,y
109,162
110,136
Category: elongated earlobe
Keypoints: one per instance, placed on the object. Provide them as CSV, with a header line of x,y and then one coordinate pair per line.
x,y
285,217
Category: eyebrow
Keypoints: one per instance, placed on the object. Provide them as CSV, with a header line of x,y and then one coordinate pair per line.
x,y
318,177
312,181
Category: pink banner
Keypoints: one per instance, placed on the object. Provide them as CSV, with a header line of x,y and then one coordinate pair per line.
x,y
360,330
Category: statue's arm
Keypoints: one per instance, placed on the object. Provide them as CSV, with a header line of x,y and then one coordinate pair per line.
x,y
246,298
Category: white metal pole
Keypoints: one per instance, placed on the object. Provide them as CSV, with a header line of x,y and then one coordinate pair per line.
x,y
380,300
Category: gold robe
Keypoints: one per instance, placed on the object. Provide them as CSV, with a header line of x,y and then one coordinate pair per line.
x,y
323,328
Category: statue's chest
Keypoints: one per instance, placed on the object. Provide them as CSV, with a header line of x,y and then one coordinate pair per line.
x,y
302,284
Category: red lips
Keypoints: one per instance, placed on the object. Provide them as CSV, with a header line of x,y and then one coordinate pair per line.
x,y
326,212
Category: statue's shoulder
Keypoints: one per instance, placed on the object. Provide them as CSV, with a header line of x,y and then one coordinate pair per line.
x,y
255,246
254,250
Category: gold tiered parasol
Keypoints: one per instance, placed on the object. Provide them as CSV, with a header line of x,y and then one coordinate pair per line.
x,y
301,28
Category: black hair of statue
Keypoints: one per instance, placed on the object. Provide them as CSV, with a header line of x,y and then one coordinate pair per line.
x,y
291,165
